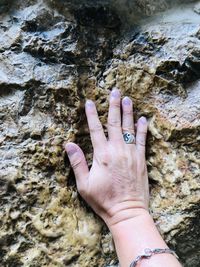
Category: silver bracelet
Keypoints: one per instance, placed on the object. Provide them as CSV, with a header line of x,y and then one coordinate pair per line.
x,y
150,252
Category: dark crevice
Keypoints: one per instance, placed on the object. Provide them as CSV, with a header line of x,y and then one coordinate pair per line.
x,y
97,17
188,247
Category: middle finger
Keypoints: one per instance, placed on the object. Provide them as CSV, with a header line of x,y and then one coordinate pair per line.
x,y
114,116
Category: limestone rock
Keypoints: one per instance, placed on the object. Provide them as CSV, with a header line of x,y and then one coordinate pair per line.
x,y
197,8
54,55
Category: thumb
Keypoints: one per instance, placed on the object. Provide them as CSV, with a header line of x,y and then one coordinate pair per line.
x,y
78,163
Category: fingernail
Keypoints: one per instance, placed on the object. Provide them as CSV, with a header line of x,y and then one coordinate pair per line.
x,y
89,103
115,93
71,150
126,100
143,120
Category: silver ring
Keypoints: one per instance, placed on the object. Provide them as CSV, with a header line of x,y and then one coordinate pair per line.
x,y
129,138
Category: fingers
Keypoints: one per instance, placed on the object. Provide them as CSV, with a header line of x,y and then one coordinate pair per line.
x,y
96,130
78,163
115,125
141,135
114,116
127,121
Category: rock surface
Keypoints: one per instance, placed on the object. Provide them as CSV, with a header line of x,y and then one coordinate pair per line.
x,y
54,55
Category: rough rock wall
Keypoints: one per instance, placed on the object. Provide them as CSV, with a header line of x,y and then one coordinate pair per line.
x,y
54,55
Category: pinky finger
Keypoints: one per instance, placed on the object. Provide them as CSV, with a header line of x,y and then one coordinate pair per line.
x,y
142,127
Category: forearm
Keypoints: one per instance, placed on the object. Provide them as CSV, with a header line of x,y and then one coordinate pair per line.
x,y
132,236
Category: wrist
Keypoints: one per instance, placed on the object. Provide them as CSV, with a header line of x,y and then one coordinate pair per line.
x,y
123,212
134,219
132,236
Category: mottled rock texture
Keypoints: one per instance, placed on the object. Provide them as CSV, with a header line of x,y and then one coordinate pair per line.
x,y
54,55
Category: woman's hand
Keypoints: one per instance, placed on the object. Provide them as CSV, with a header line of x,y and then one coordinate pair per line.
x,y
116,186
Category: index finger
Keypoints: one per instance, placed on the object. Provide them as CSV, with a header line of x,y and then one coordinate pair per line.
x,y
97,135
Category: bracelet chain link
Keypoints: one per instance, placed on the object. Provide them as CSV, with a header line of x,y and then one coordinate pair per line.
x,y
150,252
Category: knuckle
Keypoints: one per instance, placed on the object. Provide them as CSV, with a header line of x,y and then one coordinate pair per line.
x,y
114,122
104,157
124,158
141,142
128,113
120,158
120,155
115,104
142,133
76,163
96,128
126,161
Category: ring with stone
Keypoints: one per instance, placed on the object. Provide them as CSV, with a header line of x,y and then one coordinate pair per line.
x,y
129,138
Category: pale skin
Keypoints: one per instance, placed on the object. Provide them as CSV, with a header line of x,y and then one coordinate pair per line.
x,y
116,186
